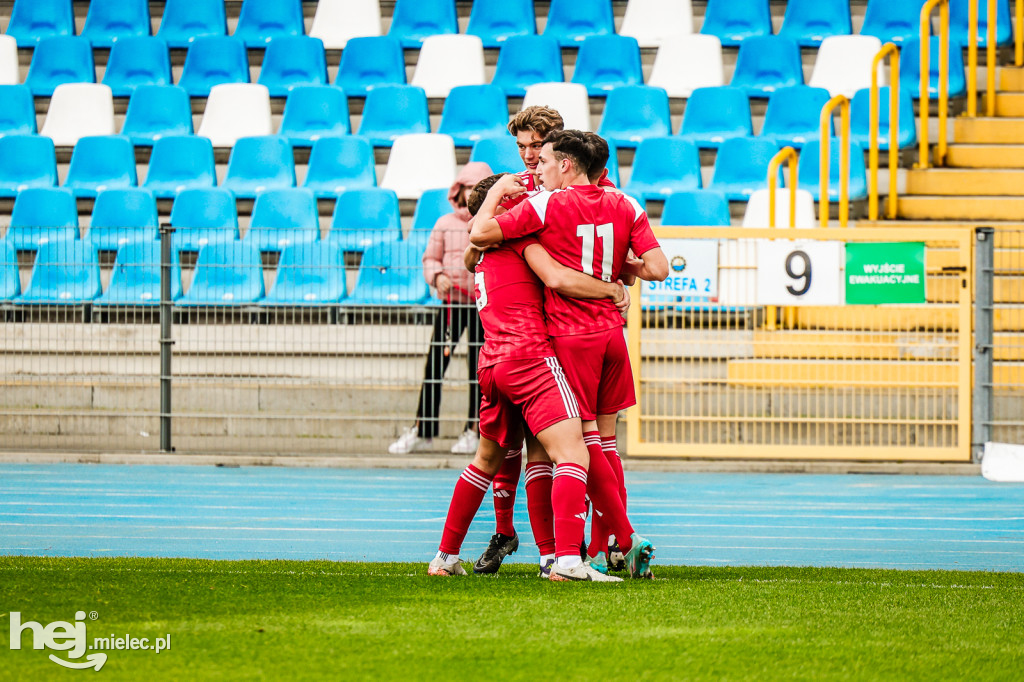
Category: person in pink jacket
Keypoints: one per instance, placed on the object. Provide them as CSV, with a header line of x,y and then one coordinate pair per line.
x,y
444,270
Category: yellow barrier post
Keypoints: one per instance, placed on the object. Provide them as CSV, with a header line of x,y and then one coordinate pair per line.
x,y
844,160
990,57
785,154
888,50
972,58
1018,35
925,161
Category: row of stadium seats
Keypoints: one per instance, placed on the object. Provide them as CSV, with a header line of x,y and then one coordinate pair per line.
x,y
471,113
227,274
261,22
604,63
662,165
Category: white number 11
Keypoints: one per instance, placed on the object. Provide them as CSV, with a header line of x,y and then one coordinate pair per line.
x,y
606,232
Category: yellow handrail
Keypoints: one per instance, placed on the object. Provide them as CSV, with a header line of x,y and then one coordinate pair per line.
x,y
888,50
990,58
844,160
925,161
784,154
1018,48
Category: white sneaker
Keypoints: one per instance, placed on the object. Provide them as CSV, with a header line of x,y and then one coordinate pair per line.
x,y
581,572
439,567
466,444
410,441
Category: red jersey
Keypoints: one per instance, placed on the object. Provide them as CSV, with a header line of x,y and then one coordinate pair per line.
x,y
510,299
589,230
530,183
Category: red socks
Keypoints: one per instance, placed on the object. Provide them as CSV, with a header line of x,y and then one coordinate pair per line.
x,y
567,491
603,489
538,501
469,493
505,484
598,528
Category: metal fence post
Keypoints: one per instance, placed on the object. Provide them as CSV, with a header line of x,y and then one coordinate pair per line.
x,y
165,337
984,269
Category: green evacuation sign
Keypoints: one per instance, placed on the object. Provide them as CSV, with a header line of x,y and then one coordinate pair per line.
x,y
890,272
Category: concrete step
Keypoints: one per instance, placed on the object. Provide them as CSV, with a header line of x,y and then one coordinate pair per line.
x,y
898,318
1002,208
859,373
984,130
985,156
1011,78
966,182
1010,104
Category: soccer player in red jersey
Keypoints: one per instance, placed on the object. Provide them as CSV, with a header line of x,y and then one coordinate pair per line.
x,y
584,227
521,378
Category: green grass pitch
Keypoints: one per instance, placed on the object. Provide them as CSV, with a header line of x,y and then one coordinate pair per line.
x,y
326,620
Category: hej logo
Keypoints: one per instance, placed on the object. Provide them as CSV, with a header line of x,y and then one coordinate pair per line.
x,y
72,638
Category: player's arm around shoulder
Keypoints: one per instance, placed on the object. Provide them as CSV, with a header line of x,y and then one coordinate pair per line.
x,y
567,281
486,231
654,265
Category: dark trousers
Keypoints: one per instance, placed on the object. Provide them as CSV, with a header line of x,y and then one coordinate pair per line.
x,y
463,318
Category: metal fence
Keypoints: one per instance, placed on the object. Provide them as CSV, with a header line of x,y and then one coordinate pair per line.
x,y
720,373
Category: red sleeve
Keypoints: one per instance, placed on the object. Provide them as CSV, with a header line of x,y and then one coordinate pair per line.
x,y
641,237
519,222
603,181
520,245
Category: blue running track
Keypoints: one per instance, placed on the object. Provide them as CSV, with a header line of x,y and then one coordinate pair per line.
x,y
871,521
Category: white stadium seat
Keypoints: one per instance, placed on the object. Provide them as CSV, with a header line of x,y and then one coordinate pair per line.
x,y
420,162
569,99
447,61
655,22
78,110
236,110
684,64
336,21
843,64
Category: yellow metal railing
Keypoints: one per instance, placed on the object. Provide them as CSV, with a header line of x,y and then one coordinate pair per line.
x,y
990,58
784,155
926,11
888,50
1018,35
844,160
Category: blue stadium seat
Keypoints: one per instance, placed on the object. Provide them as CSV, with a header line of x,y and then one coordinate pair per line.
x,y
10,278
431,205
767,63
733,21
227,274
291,62
860,119
337,164
185,20
308,275
500,153
391,274
263,21
101,162
393,110
155,112
808,22
17,110
111,21
496,22
714,115
57,60
613,164
283,217
571,22
605,63
696,208
312,112
211,61
34,20
741,167
178,163
364,217
414,20
634,113
42,215
662,166
65,273
135,279
893,21
203,216
793,115
122,216
958,28
28,161
474,112
369,62
526,60
259,163
910,68
809,170
136,61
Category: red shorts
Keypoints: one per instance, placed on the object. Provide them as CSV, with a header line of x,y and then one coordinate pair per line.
x,y
534,390
599,372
